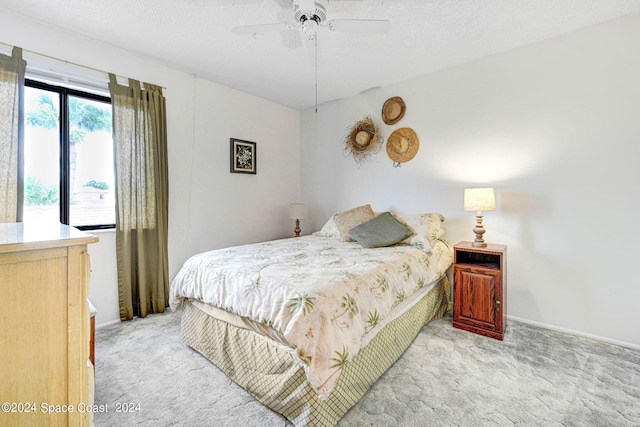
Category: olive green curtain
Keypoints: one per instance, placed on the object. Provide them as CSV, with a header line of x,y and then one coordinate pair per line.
x,y
12,69
142,189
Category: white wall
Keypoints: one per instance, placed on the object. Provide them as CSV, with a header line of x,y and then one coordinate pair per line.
x,y
555,128
552,126
208,206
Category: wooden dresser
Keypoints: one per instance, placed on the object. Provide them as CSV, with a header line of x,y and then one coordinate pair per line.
x,y
46,379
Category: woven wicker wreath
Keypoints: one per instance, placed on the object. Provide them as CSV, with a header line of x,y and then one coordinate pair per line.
x,y
363,140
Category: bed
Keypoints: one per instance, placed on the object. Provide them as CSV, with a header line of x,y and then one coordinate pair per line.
x,y
306,325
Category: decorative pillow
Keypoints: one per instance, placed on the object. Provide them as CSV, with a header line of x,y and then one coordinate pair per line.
x,y
329,229
348,219
426,228
383,230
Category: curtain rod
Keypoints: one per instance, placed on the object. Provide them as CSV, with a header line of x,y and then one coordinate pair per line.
x,y
106,73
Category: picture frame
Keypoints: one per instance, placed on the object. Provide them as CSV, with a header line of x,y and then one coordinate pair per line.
x,y
243,156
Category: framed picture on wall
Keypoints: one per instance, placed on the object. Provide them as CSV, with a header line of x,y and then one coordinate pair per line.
x,y
243,156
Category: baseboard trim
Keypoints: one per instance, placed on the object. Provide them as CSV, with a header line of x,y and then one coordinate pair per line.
x,y
113,322
516,319
576,333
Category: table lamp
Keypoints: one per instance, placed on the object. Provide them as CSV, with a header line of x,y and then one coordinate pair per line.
x,y
479,199
297,211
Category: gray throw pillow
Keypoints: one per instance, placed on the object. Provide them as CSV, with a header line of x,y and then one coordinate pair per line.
x,y
383,230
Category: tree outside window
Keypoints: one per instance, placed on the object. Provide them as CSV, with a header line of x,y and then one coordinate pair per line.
x,y
68,157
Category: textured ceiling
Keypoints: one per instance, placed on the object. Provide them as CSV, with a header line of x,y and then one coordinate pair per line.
x,y
195,36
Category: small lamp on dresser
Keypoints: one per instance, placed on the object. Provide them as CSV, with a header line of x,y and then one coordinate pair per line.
x,y
479,199
297,211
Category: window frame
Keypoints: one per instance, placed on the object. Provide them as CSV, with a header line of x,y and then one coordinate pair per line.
x,y
64,140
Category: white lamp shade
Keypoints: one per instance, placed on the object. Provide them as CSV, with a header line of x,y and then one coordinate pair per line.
x,y
479,199
297,211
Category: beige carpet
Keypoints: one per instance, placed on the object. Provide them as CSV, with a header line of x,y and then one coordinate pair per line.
x,y
448,377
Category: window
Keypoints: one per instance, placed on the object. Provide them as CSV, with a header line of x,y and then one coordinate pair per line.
x,y
68,157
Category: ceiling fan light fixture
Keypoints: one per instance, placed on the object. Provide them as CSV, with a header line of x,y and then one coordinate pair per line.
x,y
310,28
304,11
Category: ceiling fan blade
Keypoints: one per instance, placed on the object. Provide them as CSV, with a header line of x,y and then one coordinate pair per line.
x,y
362,26
291,38
260,28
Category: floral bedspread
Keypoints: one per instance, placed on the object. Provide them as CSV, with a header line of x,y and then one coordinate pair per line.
x,y
324,295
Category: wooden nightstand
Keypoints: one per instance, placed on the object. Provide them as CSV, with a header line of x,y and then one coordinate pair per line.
x,y
480,289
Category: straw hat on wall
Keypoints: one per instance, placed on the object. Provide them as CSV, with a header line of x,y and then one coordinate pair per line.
x,y
363,140
393,110
402,146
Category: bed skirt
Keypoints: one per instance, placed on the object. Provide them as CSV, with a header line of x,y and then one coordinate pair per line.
x,y
275,376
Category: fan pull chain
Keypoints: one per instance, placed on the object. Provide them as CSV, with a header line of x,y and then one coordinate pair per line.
x,y
316,60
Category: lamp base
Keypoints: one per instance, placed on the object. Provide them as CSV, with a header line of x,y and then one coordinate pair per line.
x,y
297,230
478,244
479,231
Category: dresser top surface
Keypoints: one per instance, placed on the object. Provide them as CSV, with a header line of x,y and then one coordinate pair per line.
x,y
18,235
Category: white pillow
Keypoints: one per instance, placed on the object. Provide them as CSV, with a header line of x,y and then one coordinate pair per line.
x,y
329,229
426,228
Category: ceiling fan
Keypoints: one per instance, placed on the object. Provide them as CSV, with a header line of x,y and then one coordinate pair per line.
x,y
306,17
310,15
